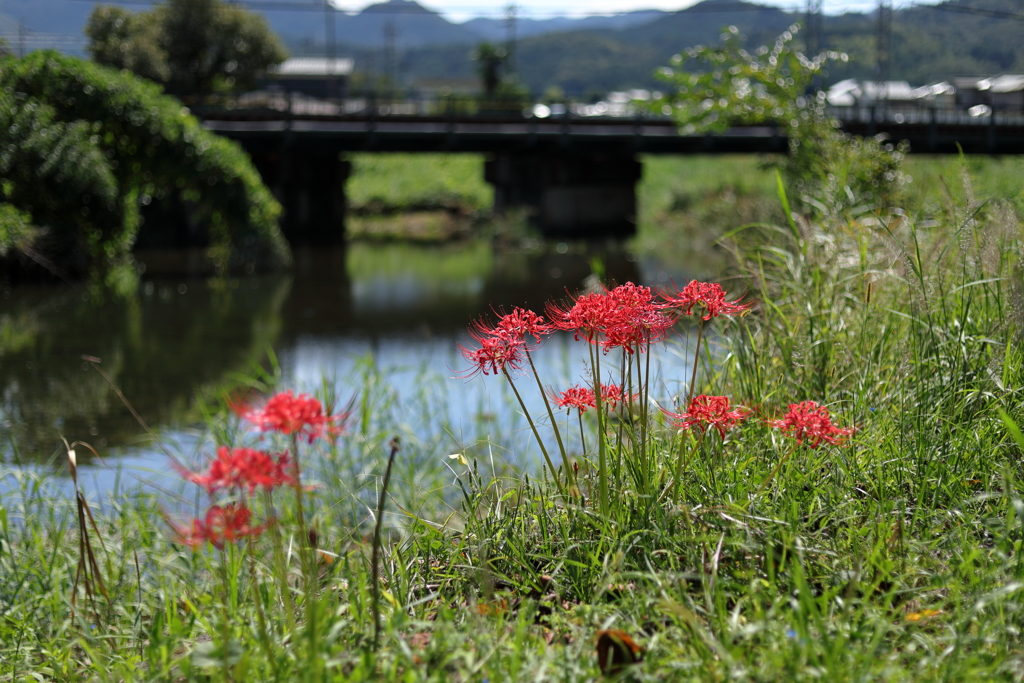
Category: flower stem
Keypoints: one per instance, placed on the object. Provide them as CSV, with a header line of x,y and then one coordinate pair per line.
x,y
375,555
300,514
261,617
583,438
570,475
696,357
281,570
536,434
306,561
225,614
602,459
679,462
645,399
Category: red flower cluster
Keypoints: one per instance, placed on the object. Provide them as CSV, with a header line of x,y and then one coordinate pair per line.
x,y
221,525
612,395
811,422
707,295
626,317
589,316
639,319
581,398
502,345
494,355
708,411
518,324
237,468
288,414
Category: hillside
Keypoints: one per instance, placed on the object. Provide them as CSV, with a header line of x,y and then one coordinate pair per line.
x,y
603,53
929,44
496,29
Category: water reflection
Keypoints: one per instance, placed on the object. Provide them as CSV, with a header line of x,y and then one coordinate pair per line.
x,y
181,336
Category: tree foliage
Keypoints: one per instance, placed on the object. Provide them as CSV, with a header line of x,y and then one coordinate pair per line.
x,y
489,62
189,46
713,88
126,40
16,229
90,145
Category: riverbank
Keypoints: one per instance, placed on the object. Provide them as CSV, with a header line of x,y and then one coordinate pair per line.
x,y
769,541
443,198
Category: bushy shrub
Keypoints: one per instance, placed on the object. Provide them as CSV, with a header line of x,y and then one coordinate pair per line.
x,y
713,88
90,145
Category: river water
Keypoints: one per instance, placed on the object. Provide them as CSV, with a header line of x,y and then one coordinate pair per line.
x,y
182,339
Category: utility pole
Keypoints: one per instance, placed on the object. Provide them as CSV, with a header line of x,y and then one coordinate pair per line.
x,y
510,35
884,56
813,28
21,38
329,48
390,33
884,39
813,39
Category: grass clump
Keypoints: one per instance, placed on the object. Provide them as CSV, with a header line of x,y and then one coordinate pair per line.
x,y
835,494
405,182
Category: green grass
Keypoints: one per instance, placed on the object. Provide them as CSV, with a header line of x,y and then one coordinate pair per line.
x,y
681,198
895,557
402,182
990,177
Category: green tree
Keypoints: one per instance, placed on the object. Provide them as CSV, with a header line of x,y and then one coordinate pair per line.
x,y
489,60
713,88
125,40
90,145
189,46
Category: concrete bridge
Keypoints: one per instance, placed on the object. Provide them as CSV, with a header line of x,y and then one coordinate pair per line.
x,y
577,175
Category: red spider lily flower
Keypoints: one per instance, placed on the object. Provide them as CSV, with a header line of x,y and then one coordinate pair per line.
x,y
588,318
522,322
637,330
612,395
496,354
708,295
637,322
288,414
581,398
243,467
811,422
708,411
221,525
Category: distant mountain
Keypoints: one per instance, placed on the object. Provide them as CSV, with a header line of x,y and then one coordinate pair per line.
x,y
496,29
929,44
703,23
59,24
588,63
413,24
592,55
303,30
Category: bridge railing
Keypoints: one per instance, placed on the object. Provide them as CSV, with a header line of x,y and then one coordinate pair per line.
x,y
895,114
369,105
362,105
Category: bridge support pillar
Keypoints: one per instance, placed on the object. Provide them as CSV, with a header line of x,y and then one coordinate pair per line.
x,y
568,194
311,187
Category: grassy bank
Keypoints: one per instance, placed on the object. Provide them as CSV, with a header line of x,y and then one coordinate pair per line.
x,y
883,544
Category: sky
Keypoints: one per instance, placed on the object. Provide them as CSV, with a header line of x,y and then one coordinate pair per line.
x,y
461,10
